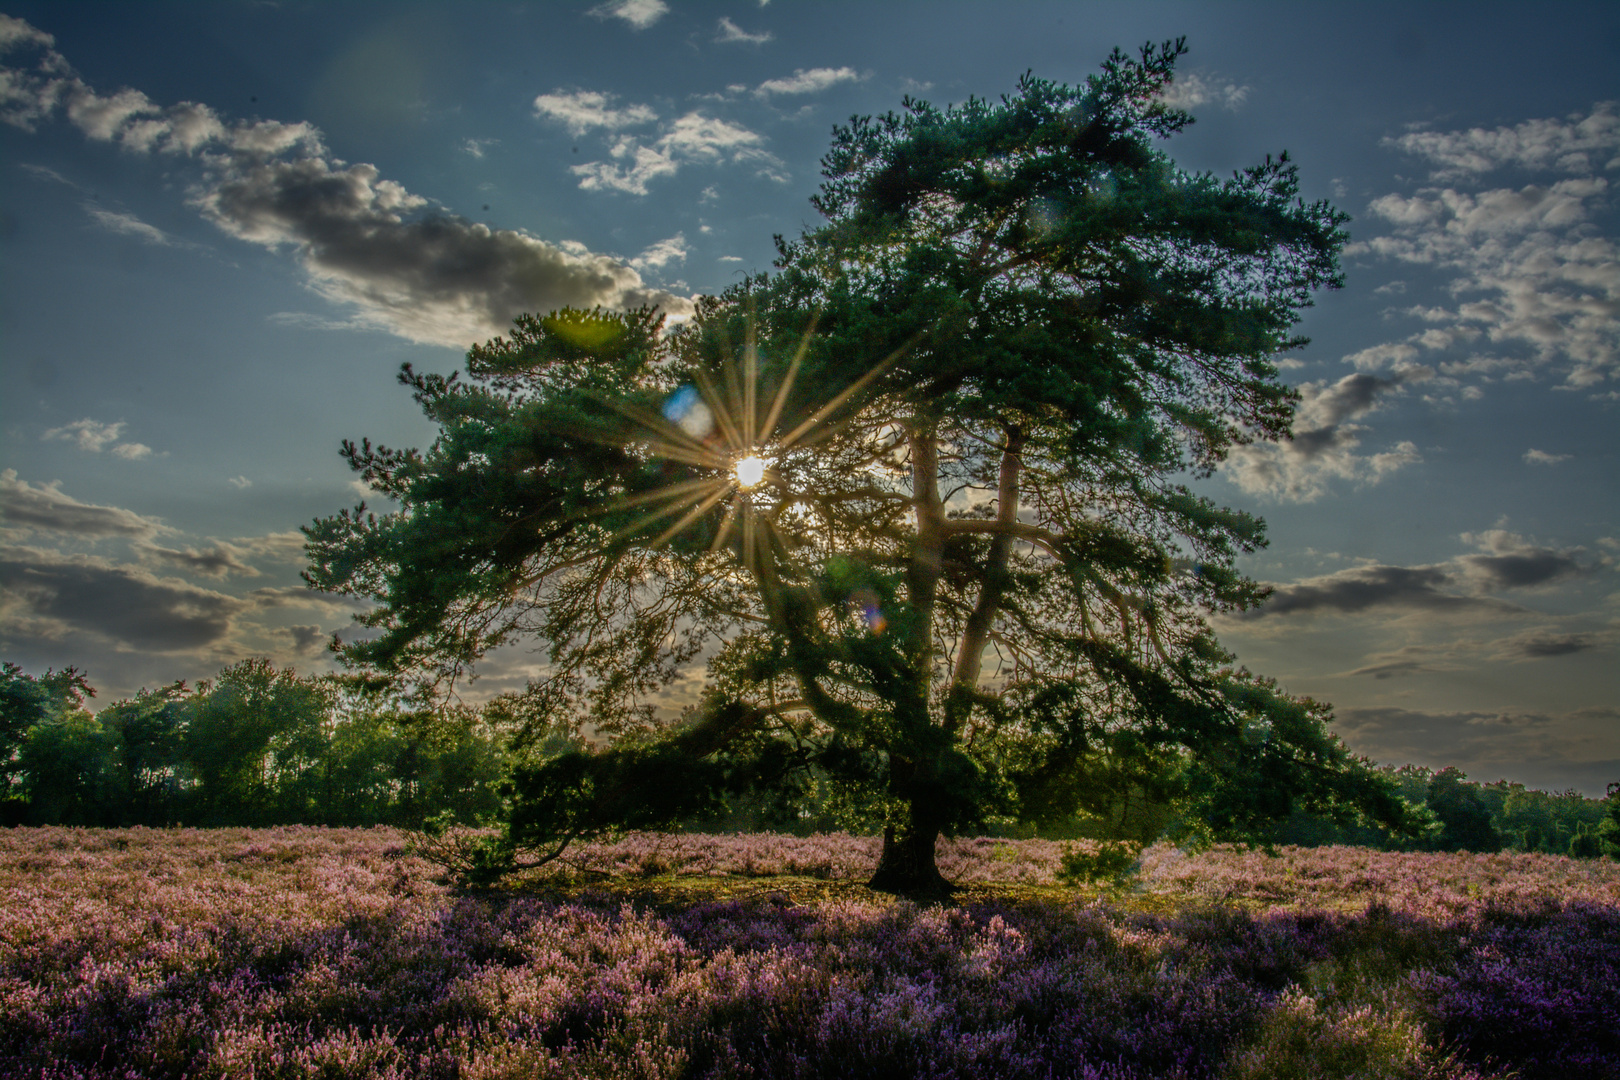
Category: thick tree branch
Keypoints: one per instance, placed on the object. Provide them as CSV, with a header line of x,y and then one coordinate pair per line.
x,y
975,634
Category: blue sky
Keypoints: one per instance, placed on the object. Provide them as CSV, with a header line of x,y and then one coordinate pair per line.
x,y
224,226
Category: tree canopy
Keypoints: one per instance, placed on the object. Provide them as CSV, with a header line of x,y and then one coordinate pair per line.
x,y
918,498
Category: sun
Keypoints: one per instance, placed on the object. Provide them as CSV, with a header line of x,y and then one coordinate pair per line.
x,y
730,431
750,470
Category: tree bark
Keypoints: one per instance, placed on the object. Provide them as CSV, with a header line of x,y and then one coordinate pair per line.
x,y
907,865
907,868
927,555
977,631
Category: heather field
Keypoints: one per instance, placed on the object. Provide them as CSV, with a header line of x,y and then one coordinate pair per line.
x,y
303,952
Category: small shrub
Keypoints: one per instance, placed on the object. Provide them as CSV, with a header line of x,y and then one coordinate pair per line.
x,y
1298,1038
1105,862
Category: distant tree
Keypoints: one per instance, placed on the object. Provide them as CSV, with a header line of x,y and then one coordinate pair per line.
x,y
1609,827
917,497
65,776
253,740
146,771
27,701
1464,817
1587,843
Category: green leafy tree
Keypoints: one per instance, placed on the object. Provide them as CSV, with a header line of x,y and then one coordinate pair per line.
x,y
918,497
253,740
27,701
1528,819
65,770
357,779
1586,843
1609,827
1464,817
146,771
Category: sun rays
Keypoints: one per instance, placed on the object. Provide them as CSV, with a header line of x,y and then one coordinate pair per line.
x,y
726,424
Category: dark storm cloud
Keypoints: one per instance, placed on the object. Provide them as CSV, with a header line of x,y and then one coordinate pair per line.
x,y
1324,445
1392,668
1392,720
1537,646
1522,569
307,640
419,273
25,506
1363,587
1508,561
1537,749
50,593
301,595
411,270
218,561
1351,396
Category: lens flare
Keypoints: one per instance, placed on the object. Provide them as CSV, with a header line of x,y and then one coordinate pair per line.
x,y
687,410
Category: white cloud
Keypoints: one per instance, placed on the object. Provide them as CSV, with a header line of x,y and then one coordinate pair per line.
x,y
102,117
662,254
304,320
15,32
807,82
475,147
45,173
694,138
46,508
704,138
129,225
583,110
90,435
1575,144
1326,444
730,32
1541,457
132,451
186,128
241,483
640,14
363,240
1530,266
644,163
1381,356
1189,90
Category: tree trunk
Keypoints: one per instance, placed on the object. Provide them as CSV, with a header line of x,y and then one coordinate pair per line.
x,y
907,868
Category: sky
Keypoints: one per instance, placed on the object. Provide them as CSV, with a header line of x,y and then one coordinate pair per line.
x,y
224,226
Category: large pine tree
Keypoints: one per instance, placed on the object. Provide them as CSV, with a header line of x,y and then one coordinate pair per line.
x,y
918,498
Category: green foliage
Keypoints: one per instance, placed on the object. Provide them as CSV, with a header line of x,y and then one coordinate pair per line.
x,y
63,768
1464,817
253,739
27,702
256,746
970,583
145,771
1587,843
1109,862
1609,827
1300,1040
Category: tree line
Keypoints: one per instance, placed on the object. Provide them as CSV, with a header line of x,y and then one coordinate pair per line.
x,y
260,746
255,746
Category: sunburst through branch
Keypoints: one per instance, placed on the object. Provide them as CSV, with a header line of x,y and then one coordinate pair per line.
x,y
716,424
